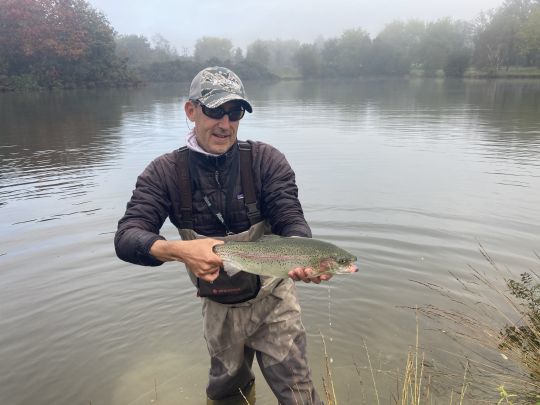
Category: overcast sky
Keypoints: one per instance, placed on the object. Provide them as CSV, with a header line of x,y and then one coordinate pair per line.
x,y
243,21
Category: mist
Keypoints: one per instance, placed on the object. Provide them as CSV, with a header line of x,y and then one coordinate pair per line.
x,y
245,21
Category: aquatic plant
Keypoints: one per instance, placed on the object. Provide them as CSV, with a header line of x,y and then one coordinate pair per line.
x,y
496,316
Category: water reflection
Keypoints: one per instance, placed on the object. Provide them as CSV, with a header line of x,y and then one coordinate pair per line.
x,y
52,142
510,106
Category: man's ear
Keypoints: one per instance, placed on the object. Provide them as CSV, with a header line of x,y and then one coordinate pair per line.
x,y
190,108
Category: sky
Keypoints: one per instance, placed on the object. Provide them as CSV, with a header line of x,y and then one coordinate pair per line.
x,y
244,21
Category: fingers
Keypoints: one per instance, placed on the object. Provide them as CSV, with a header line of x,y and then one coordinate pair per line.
x,y
326,276
305,274
209,276
206,272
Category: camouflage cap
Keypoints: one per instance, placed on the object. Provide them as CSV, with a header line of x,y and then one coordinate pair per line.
x,y
216,85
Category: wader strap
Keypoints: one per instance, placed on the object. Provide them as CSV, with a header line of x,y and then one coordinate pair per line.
x,y
248,185
184,184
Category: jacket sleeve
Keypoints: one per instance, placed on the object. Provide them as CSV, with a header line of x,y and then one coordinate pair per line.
x,y
279,195
145,214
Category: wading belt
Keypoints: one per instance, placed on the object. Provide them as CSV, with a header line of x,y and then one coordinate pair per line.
x,y
248,186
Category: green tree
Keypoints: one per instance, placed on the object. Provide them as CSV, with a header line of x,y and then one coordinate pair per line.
x,y
277,55
397,47
354,53
258,52
329,57
135,48
443,38
207,48
162,49
139,51
529,37
308,60
498,35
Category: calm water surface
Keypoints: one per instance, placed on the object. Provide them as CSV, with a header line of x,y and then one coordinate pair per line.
x,y
409,175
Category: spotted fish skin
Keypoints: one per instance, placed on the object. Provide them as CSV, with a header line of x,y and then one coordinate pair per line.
x,y
275,256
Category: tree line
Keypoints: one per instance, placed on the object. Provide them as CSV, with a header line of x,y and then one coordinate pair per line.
x,y
67,43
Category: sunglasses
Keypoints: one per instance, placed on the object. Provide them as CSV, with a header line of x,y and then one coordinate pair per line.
x,y
218,113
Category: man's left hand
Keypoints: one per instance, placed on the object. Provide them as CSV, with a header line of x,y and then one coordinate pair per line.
x,y
305,274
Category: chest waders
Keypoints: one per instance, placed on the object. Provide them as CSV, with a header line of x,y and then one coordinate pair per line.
x,y
244,286
248,315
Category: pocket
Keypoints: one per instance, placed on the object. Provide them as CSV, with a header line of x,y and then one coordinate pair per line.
x,y
230,290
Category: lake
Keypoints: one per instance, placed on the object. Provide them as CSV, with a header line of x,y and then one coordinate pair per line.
x,y
413,176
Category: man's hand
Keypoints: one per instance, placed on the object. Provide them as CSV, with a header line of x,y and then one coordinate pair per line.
x,y
305,274
196,254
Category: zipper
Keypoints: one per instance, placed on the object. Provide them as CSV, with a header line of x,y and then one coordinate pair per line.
x,y
219,214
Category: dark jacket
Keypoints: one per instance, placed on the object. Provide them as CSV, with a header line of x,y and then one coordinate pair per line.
x,y
156,197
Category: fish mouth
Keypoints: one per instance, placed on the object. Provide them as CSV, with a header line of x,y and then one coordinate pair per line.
x,y
351,268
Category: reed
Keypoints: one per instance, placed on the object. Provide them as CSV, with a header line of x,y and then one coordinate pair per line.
x,y
501,326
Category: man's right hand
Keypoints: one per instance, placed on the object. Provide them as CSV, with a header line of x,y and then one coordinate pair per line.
x,y
197,255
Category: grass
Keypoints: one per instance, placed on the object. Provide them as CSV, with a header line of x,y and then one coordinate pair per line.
x,y
510,73
495,315
413,383
501,327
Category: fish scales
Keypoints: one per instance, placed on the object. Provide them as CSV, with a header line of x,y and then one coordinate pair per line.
x,y
275,256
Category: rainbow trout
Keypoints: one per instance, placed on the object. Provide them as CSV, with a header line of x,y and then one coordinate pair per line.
x,y
275,256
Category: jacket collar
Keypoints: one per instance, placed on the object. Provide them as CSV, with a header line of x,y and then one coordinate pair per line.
x,y
215,161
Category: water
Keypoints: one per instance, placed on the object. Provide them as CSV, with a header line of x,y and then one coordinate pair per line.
x,y
410,175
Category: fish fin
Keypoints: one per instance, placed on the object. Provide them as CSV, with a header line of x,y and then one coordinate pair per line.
x,y
231,267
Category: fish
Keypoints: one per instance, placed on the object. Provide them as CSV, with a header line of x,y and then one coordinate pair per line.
x,y
275,256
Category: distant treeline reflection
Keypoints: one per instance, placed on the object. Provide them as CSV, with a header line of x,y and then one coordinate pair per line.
x,y
49,44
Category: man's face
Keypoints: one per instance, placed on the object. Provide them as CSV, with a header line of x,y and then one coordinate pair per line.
x,y
213,135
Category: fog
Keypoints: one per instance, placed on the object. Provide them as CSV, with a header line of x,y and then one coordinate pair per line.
x,y
243,21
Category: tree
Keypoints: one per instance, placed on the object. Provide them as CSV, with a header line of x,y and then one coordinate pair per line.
x,y
135,48
529,37
330,55
162,49
498,35
354,51
139,51
58,42
441,39
277,55
258,52
397,47
207,48
308,60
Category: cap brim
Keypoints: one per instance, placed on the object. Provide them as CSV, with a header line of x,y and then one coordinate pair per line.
x,y
215,100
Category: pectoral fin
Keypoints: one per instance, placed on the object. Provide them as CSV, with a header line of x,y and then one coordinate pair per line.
x,y
231,267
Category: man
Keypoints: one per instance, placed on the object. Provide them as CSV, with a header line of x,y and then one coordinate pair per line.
x,y
215,189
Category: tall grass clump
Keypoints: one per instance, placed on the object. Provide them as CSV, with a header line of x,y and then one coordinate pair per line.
x,y
496,315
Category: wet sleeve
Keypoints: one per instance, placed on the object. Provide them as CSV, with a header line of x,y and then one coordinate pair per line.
x,y
145,214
